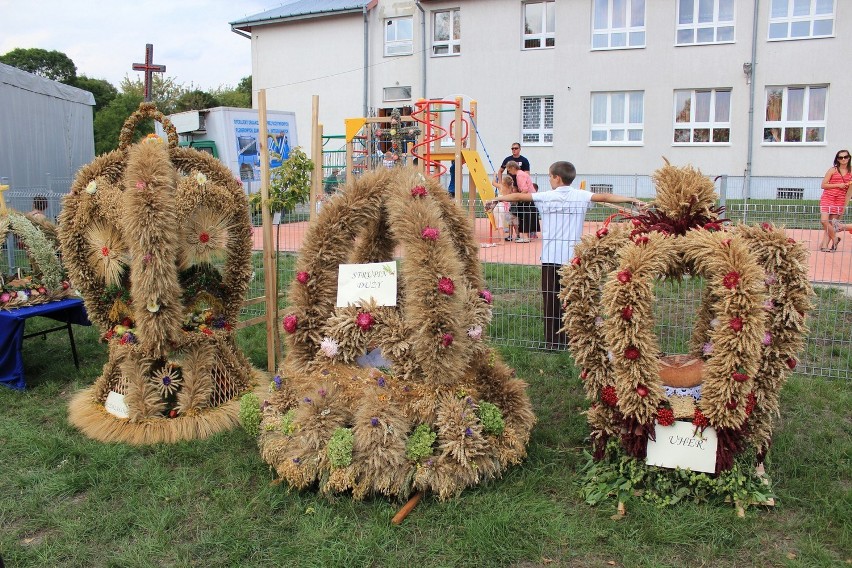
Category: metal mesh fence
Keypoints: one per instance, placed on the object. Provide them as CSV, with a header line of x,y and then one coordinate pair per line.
x,y
513,274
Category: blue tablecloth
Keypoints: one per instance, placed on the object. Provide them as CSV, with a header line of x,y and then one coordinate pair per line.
x,y
12,334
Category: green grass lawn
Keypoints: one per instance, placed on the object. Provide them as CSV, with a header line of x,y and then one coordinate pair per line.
x,y
69,501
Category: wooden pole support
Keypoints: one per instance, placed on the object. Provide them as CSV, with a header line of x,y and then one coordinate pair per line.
x,y
407,508
270,280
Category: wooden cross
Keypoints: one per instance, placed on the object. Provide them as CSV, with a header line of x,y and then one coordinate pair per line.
x,y
149,68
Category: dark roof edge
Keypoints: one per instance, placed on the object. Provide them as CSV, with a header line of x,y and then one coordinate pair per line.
x,y
245,25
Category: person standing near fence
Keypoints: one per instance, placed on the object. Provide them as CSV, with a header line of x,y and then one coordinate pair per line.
x,y
835,196
563,212
526,212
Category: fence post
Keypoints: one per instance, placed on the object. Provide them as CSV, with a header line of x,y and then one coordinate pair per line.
x,y
723,189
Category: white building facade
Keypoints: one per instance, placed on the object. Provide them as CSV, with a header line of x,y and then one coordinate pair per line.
x,y
736,87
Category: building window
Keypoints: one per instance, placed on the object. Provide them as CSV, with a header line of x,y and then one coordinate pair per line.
x,y
537,120
795,115
702,116
397,93
801,19
539,25
789,193
618,24
705,21
399,36
618,118
446,32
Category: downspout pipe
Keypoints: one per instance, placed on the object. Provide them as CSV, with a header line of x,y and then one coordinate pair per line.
x,y
422,46
366,61
751,94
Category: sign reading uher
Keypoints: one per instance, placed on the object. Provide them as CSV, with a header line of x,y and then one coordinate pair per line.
x,y
358,283
679,445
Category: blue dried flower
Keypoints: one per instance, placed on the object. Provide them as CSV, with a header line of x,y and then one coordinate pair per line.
x,y
374,422
308,400
381,382
277,381
468,432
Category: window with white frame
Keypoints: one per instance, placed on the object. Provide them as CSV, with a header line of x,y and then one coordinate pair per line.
x,y
795,114
537,120
539,24
618,24
702,116
705,21
618,118
399,36
446,32
801,19
396,93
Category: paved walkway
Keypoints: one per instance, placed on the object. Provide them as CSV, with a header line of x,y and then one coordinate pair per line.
x,y
822,267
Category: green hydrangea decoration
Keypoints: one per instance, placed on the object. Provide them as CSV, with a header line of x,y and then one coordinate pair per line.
x,y
250,414
419,444
288,424
339,448
491,418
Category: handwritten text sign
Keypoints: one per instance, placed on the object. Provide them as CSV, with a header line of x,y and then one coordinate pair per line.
x,y
115,405
357,283
676,446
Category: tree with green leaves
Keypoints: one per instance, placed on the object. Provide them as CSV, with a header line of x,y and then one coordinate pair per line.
x,y
53,65
289,184
102,89
110,119
196,100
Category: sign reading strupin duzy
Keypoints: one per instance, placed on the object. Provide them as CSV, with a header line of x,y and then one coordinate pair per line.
x,y
358,283
679,445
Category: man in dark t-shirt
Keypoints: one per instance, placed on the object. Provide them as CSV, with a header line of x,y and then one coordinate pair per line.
x,y
523,163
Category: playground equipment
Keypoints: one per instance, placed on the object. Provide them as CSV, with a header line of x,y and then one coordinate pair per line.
x,y
429,152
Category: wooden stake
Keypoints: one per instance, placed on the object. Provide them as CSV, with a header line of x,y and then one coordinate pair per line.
x,y
400,516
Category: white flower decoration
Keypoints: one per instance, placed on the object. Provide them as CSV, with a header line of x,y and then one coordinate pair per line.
x,y
92,187
475,332
329,347
200,178
153,306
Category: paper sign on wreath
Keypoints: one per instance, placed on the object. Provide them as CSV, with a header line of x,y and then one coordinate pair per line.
x,y
115,405
358,283
679,445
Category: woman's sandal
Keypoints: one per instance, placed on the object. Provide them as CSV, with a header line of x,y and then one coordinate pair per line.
x,y
836,242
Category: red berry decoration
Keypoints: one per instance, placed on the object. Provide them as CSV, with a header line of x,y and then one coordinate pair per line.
x,y
290,323
365,321
600,233
737,324
642,391
726,243
302,277
631,353
575,261
791,362
766,226
665,416
627,313
731,280
127,322
608,396
751,402
624,276
731,404
173,413
446,286
740,377
636,223
712,226
486,295
430,234
447,339
584,374
641,240
204,237
418,191
105,251
699,420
